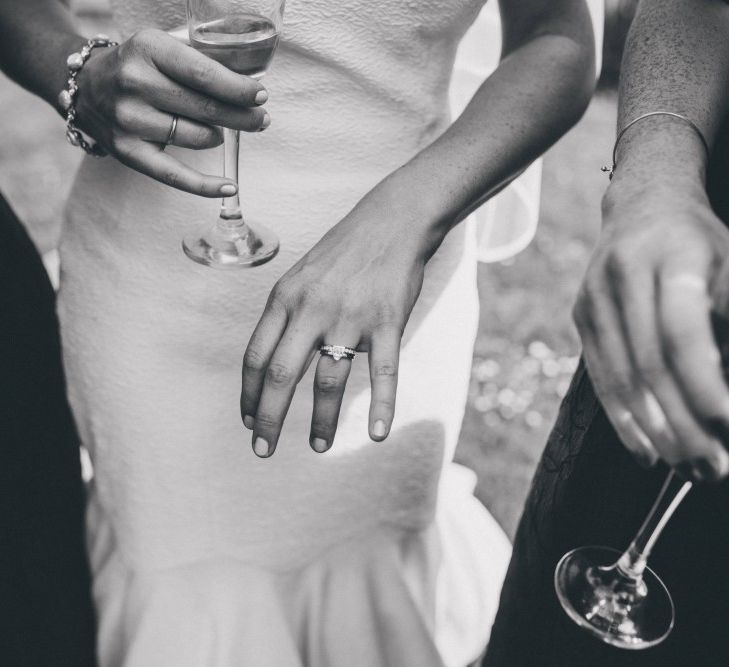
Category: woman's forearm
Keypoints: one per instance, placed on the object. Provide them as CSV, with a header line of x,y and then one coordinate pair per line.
x,y
540,89
676,59
38,36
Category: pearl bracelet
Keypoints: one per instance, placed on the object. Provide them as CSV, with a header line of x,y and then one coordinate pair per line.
x,y
67,97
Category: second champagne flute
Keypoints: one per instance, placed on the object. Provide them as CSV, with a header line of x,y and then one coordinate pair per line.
x,y
242,35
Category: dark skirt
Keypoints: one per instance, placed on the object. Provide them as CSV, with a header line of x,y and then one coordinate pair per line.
x,y
46,613
588,491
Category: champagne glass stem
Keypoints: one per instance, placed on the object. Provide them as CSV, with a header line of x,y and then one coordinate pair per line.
x,y
230,213
634,561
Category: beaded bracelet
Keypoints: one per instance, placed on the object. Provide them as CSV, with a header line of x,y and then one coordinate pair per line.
x,y
611,170
67,97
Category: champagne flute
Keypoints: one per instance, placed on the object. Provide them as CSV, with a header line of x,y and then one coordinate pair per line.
x,y
242,35
615,596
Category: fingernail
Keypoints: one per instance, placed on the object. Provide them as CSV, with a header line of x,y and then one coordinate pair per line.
x,y
722,464
261,97
379,429
266,121
249,422
260,447
319,445
228,189
716,467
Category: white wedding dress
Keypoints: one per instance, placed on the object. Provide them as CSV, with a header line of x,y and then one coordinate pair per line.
x,y
204,555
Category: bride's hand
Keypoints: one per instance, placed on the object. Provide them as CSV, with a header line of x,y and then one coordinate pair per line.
x,y
356,287
644,315
129,95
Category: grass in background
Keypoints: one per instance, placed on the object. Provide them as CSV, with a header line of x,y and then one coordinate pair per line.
x,y
527,346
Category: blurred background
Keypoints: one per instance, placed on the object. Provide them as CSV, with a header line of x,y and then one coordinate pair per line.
x,y
527,347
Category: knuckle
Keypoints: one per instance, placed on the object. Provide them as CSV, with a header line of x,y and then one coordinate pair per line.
x,y
328,384
205,136
210,108
266,421
651,369
311,295
386,370
123,115
389,316
171,178
618,266
143,40
613,385
281,296
130,76
253,360
202,71
143,36
279,375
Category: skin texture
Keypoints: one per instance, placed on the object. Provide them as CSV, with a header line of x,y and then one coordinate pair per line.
x,y
129,94
644,310
338,293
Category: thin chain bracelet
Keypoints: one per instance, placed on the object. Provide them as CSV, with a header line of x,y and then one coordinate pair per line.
x,y
611,170
67,97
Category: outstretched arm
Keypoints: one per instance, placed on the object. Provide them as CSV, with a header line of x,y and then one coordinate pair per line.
x,y
644,309
358,285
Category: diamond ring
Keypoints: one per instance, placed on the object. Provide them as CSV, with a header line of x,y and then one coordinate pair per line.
x,y
337,352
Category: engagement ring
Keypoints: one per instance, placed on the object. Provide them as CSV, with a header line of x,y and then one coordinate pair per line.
x,y
337,352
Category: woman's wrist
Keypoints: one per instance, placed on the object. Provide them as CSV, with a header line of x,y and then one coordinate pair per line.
x,y
50,76
658,152
422,203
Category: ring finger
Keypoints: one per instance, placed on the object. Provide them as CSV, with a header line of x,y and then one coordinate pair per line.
x,y
330,382
160,127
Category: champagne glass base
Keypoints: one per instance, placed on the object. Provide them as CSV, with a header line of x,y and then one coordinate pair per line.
x,y
225,247
621,611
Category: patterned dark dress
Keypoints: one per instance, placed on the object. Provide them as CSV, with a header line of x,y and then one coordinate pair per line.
x,y
588,491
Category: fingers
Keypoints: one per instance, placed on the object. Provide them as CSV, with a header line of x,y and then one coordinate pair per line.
x,y
608,364
164,94
633,302
257,356
187,102
690,348
199,72
659,406
330,382
150,159
287,365
153,125
635,439
384,355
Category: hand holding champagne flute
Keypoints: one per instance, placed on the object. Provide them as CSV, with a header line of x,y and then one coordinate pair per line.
x,y
617,597
242,36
